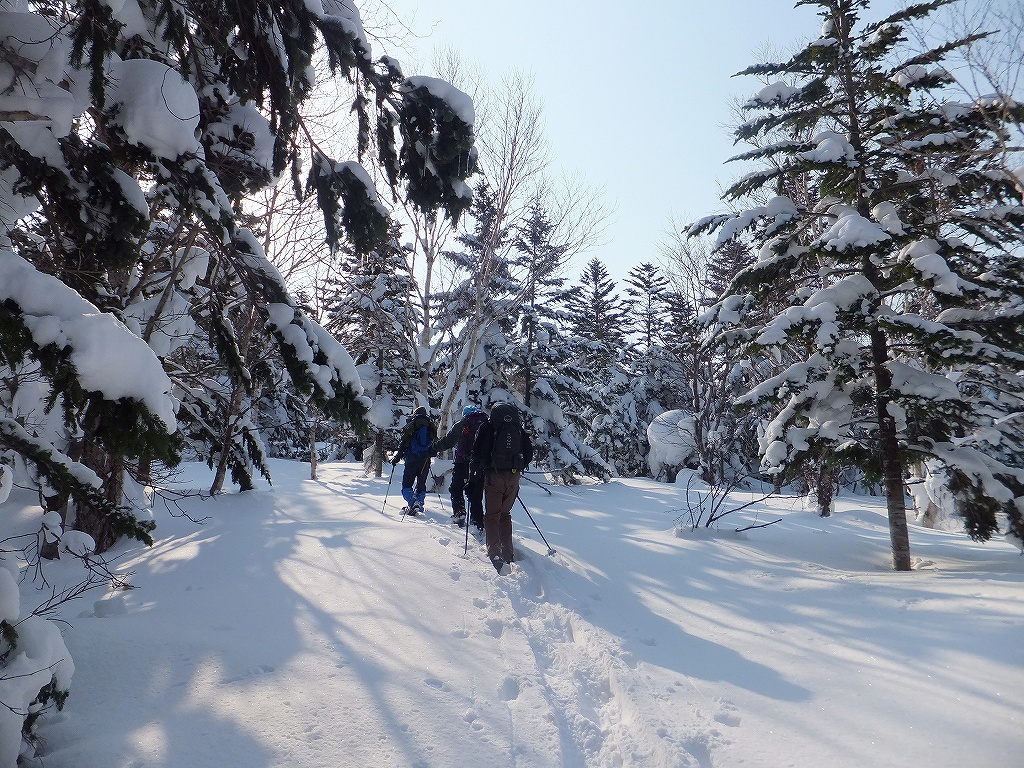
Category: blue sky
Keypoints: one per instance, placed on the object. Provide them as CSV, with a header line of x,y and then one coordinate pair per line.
x,y
637,97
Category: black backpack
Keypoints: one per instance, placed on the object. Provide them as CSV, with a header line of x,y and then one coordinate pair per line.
x,y
507,428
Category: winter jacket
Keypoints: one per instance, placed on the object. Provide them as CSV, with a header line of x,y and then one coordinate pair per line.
x,y
462,436
417,437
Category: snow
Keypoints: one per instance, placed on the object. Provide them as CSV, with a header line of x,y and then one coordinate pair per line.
x,y
887,215
163,119
107,356
461,104
36,89
775,93
672,441
307,625
780,209
360,174
6,481
831,147
852,230
346,15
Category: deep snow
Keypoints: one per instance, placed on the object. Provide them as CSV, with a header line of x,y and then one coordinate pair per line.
x,y
299,626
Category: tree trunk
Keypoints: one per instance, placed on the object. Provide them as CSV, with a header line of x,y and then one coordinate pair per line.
x,y
312,450
889,446
892,463
227,437
111,471
234,408
378,454
823,491
899,534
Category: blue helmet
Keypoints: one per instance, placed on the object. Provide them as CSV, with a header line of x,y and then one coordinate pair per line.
x,y
469,409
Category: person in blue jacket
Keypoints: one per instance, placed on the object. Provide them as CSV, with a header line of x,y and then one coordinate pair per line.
x,y
417,439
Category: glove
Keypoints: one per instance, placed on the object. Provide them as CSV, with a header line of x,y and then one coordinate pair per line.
x,y
397,458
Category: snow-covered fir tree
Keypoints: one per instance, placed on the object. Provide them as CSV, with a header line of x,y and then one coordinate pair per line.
x,y
135,305
542,361
371,308
646,290
906,263
597,316
121,206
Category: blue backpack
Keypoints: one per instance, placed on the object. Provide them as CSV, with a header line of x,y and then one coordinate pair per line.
x,y
420,433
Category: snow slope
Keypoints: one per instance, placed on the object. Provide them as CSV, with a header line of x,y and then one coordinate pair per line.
x,y
299,626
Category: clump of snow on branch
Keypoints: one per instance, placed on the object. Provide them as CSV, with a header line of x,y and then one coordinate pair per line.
x,y
777,93
37,90
163,119
851,230
107,356
461,104
831,147
780,209
345,14
672,441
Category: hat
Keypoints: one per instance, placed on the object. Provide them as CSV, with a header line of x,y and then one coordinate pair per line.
x,y
421,411
470,409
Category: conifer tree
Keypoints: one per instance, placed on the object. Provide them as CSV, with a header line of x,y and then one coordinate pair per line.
x,y
541,361
128,141
371,309
597,316
646,288
905,266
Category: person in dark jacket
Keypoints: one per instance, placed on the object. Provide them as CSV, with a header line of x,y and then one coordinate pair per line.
x,y
500,454
417,438
461,437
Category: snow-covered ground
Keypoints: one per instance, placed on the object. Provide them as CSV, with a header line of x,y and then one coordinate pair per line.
x,y
299,626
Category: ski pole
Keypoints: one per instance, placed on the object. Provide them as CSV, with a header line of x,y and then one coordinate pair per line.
x,y
539,485
390,477
550,550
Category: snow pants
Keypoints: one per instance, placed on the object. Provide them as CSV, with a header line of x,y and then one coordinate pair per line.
x,y
414,479
501,488
464,487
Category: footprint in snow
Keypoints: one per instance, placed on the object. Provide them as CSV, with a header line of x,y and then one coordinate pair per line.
x,y
726,714
509,689
433,682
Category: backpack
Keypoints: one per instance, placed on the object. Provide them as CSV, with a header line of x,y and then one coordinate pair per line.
x,y
420,437
470,427
507,448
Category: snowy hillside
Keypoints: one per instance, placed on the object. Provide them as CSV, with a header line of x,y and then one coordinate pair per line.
x,y
299,626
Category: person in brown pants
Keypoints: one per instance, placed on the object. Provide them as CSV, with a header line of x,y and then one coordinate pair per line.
x,y
501,452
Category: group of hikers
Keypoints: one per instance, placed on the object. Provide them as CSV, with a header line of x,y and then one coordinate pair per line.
x,y
491,452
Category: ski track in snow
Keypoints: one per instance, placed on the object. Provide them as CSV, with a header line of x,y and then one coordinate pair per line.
x,y
570,683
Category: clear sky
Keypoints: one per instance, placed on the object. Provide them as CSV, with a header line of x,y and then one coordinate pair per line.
x,y
637,97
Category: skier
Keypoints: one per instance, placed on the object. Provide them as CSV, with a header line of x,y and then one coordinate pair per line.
x,y
501,452
461,436
417,437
